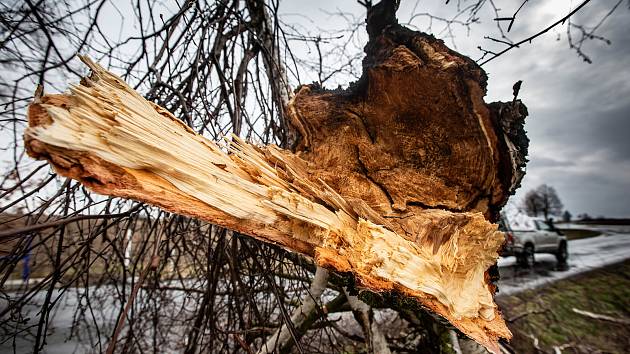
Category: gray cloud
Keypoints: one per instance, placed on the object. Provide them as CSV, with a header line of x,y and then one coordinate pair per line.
x,y
579,122
579,113
545,162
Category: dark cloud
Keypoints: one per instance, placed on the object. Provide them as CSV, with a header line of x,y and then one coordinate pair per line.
x,y
579,122
545,162
612,131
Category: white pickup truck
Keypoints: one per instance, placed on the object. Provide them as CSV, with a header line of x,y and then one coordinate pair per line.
x,y
540,237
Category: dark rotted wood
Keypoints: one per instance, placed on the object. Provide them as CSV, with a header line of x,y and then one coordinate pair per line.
x,y
414,132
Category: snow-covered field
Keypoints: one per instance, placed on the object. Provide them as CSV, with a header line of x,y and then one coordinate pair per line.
x,y
584,255
609,229
60,326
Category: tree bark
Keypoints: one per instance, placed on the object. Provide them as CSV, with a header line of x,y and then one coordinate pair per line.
x,y
309,305
374,337
395,180
274,65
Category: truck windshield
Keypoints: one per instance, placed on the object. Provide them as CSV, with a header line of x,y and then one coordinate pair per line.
x,y
542,225
503,225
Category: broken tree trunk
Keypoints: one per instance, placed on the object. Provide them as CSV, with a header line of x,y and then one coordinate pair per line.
x,y
394,180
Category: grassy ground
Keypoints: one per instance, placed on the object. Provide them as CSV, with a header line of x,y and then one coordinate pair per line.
x,y
574,234
604,221
547,313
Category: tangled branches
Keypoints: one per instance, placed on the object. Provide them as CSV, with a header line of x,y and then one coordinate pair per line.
x,y
106,274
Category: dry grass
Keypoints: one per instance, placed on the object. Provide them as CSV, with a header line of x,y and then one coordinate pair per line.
x,y
547,313
576,234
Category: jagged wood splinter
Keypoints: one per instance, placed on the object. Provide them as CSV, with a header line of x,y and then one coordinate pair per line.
x,y
392,180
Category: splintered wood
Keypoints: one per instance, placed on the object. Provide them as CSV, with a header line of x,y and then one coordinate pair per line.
x,y
354,195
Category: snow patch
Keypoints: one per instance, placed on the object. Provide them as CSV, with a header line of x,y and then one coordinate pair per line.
x,y
584,255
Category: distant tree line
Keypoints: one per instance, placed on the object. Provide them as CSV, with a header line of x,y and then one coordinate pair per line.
x,y
544,201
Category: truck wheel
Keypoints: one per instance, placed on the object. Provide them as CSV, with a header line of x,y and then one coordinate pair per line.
x,y
526,259
562,254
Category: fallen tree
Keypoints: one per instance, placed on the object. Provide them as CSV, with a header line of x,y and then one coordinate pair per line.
x,y
396,180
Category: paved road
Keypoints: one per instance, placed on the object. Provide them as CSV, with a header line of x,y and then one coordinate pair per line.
x,y
584,255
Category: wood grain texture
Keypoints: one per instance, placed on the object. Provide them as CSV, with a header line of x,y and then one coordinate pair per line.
x,y
395,180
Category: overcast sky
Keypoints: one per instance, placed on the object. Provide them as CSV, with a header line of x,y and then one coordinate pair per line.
x,y
579,121
579,113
